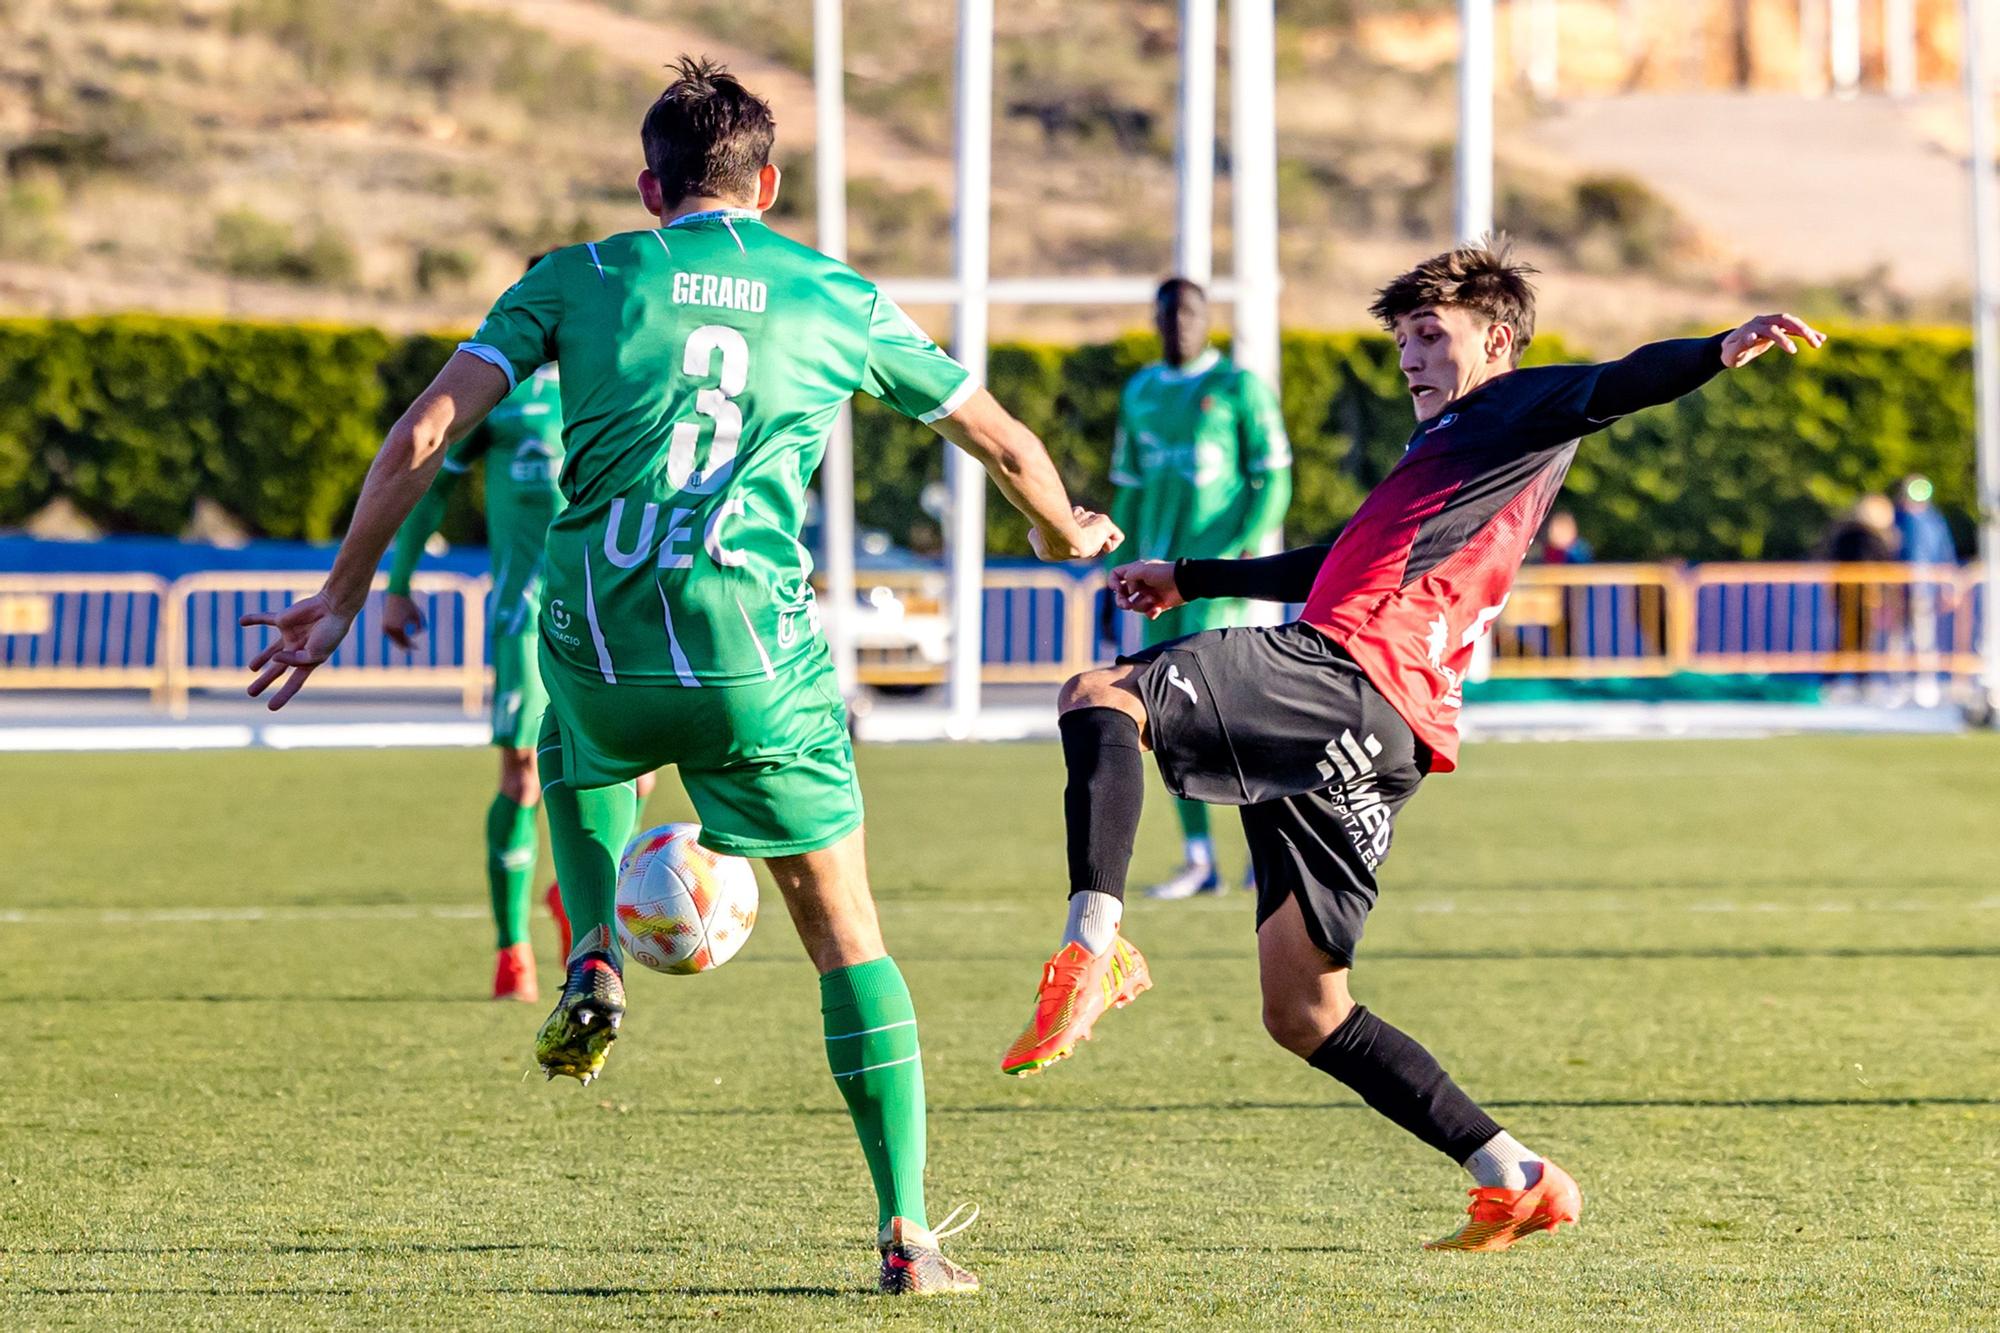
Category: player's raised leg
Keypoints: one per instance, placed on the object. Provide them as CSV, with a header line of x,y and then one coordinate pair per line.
x,y
872,1049
1309,1012
588,830
1102,720
642,788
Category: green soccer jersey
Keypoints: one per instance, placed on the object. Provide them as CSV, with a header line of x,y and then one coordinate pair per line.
x,y
521,442
703,364
1197,443
523,460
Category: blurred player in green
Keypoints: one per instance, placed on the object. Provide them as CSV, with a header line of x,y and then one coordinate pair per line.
x,y
1203,470
703,363
521,443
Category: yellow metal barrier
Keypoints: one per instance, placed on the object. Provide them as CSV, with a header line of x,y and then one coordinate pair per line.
x,y
1577,622
136,631
1844,619
203,648
82,632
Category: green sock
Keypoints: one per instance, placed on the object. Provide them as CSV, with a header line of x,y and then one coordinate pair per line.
x,y
588,830
511,847
871,1046
1194,818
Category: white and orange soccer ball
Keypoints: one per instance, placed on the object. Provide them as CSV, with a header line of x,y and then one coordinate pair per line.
x,y
682,908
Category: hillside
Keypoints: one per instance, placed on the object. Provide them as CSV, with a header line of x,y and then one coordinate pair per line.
x,y
390,161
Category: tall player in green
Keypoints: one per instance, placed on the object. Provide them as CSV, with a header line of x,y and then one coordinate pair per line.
x,y
703,364
1203,470
521,444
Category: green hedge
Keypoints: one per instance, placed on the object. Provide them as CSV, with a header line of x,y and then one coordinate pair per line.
x,y
133,418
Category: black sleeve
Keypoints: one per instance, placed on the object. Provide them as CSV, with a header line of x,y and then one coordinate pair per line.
x,y
1654,374
1286,577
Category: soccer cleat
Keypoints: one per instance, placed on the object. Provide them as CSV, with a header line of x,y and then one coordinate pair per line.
x,y
554,900
1077,987
576,1037
913,1263
514,974
1502,1216
1190,880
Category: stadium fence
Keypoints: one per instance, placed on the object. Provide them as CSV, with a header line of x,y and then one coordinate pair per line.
x,y
1577,622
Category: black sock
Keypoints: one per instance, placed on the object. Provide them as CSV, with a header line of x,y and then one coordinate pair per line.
x,y
1404,1082
1107,782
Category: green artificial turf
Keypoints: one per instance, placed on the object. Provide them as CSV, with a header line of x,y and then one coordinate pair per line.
x,y
1748,992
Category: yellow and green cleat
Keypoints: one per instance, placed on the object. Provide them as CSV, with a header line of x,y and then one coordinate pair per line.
x,y
578,1035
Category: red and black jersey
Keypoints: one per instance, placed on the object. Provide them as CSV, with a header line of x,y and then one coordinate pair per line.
x,y
1425,565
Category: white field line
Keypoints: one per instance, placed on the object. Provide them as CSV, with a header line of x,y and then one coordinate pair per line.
x,y
172,916
168,916
77,740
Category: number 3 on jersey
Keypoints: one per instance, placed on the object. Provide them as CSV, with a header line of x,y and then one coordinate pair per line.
x,y
717,404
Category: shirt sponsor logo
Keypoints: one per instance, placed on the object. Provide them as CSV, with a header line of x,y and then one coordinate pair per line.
x,y
559,620
724,293
533,461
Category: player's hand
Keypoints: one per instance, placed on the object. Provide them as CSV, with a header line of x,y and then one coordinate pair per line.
x,y
1147,587
402,622
1761,334
1095,535
308,632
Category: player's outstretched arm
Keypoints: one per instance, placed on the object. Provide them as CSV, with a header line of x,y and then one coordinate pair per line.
x,y
309,630
1020,466
1661,372
1150,587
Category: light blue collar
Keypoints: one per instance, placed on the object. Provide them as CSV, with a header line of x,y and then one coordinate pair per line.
x,y
718,215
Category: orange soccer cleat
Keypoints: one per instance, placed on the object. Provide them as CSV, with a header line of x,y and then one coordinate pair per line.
x,y
554,900
514,974
1077,987
1502,1216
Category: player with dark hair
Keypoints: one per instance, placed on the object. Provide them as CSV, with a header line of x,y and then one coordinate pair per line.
x,y
703,363
520,445
1202,468
1321,729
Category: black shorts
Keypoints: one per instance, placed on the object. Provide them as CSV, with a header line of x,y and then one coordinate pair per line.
x,y
1280,722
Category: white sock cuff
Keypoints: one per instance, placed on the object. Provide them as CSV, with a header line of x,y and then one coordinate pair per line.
x,y
1502,1162
1093,920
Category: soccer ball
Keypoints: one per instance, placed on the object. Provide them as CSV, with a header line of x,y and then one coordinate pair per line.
x,y
682,908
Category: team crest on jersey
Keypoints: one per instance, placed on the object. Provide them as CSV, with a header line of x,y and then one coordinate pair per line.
x,y
1440,652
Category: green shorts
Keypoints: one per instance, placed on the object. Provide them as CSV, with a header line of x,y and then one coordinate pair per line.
x,y
768,765
519,698
1196,617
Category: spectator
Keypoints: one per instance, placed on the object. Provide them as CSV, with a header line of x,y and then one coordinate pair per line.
x,y
1562,544
1867,533
1925,539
